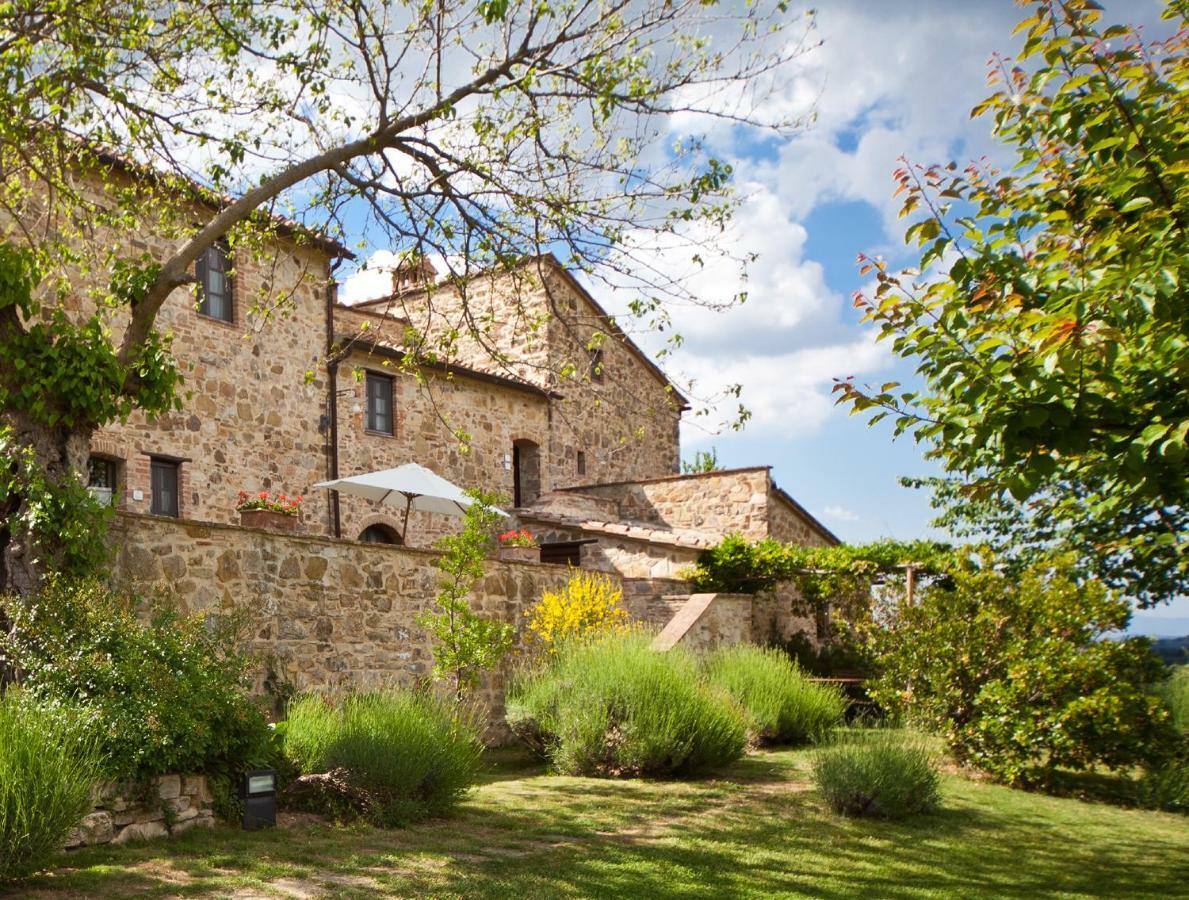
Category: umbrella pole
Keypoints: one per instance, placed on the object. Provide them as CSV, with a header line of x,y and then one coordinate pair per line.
x,y
404,528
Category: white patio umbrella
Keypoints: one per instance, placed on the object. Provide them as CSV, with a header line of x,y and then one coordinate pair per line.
x,y
413,486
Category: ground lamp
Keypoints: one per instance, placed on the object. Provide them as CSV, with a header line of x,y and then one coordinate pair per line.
x,y
258,790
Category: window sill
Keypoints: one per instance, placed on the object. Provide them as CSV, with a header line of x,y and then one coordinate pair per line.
x,y
386,434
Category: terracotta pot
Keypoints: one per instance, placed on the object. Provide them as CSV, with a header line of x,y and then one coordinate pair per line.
x,y
267,519
519,554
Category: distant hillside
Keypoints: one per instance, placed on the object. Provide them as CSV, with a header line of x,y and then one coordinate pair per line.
x,y
1174,651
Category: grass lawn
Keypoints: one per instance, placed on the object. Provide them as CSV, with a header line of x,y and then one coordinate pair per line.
x,y
756,830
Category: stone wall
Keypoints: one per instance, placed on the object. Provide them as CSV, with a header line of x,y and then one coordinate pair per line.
x,y
122,812
493,416
707,621
328,613
624,422
250,416
789,523
731,500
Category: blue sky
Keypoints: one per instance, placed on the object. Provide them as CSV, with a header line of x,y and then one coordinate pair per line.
x,y
890,79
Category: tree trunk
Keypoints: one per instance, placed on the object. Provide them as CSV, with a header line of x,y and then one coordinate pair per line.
x,y
59,453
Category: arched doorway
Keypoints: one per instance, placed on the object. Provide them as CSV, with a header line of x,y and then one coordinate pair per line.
x,y
526,472
379,533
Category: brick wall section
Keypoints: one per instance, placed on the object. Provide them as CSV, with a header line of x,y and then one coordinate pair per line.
x,y
331,613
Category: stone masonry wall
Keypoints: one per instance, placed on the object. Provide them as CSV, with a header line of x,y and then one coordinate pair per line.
x,y
492,415
329,613
249,418
786,523
733,500
122,812
625,420
625,426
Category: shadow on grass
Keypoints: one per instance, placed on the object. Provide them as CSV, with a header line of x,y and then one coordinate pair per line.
x,y
759,832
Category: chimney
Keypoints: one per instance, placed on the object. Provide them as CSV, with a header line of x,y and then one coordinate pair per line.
x,y
413,274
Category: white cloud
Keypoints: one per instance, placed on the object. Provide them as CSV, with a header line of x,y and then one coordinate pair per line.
x,y
370,281
889,80
841,513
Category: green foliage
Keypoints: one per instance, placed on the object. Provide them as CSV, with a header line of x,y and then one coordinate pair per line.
x,y
845,654
67,373
1053,350
737,565
65,522
159,696
1174,691
466,644
703,461
47,769
1011,667
877,772
1165,786
820,574
783,706
410,753
613,706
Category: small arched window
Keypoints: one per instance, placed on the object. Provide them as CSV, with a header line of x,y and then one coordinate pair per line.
x,y
380,534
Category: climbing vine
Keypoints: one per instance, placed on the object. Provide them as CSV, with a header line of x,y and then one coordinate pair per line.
x,y
819,574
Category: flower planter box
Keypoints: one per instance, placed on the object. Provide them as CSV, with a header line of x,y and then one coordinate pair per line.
x,y
267,519
519,554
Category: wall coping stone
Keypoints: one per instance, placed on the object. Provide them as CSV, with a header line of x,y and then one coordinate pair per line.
x,y
194,525
692,611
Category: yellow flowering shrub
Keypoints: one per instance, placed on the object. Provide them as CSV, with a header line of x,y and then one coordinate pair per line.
x,y
589,604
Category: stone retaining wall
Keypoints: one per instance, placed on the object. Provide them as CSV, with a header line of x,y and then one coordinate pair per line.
x,y
170,804
327,613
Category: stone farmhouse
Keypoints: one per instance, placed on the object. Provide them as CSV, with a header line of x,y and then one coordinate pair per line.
x,y
562,414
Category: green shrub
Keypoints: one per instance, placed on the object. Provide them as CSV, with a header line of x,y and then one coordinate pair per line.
x,y
1165,787
169,694
613,706
877,772
409,753
783,706
740,566
47,768
1174,690
1010,665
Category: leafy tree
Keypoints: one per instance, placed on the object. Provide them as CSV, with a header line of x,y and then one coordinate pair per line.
x,y
1012,667
703,461
1050,325
482,134
467,644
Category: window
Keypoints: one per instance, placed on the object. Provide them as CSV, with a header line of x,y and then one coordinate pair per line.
x,y
563,553
596,366
165,480
101,480
214,283
581,462
380,534
526,472
379,403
